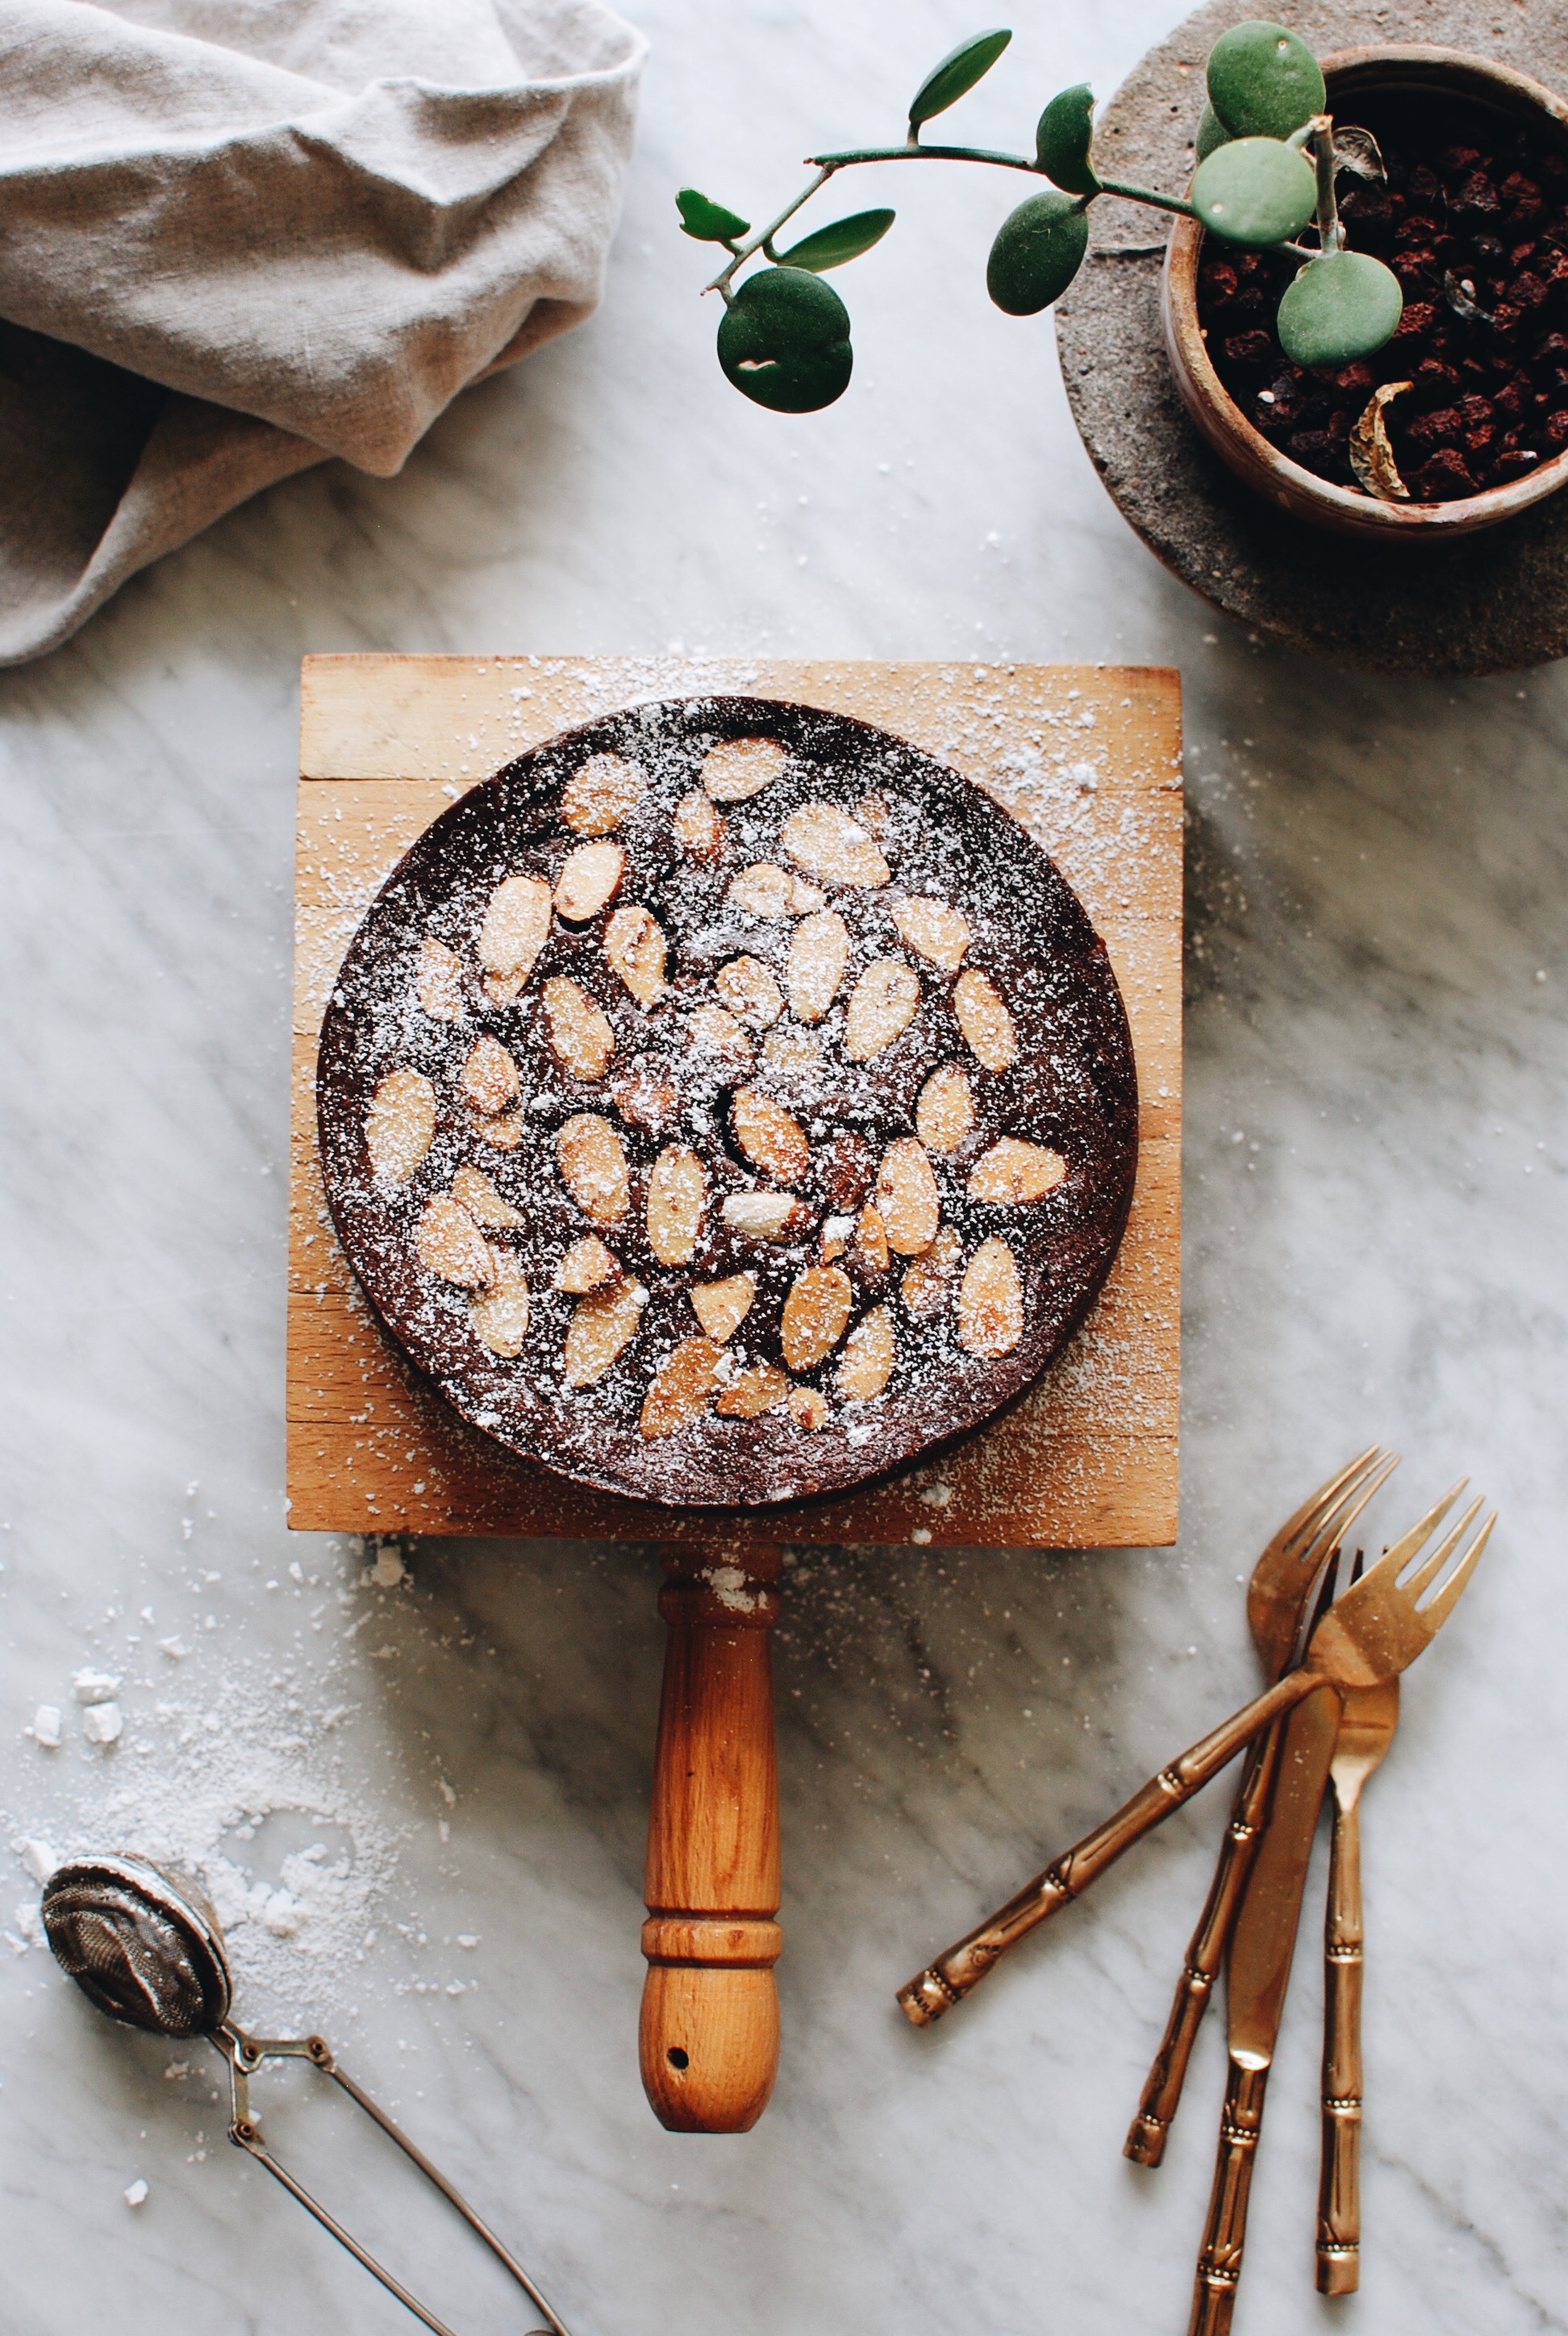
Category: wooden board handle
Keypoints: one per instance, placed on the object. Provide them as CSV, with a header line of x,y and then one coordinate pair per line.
x,y
709,2030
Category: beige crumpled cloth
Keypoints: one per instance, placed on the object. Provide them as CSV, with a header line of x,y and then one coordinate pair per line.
x,y
237,237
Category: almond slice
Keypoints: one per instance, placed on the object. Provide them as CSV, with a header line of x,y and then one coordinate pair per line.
x,y
990,1301
635,945
679,1394
438,982
739,767
698,828
600,794
515,929
677,1188
763,891
489,1081
869,1254
581,1039
721,1307
752,1392
586,1265
907,1198
807,1408
399,1125
448,1242
870,1352
925,1283
499,1319
602,1326
588,877
837,1236
504,1133
827,843
473,1191
882,1004
932,929
984,1021
646,1095
819,952
795,1058
814,1315
946,1110
769,1137
750,992
1017,1172
718,1036
804,897
592,1162
765,1216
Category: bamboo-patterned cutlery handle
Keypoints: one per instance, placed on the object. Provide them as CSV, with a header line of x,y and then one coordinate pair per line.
x,y
947,1980
1220,2258
1145,2142
1339,2188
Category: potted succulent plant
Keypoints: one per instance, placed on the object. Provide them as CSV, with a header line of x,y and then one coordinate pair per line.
x,y
1362,315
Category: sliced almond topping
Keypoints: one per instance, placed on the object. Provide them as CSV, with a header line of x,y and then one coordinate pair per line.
x,y
926,1284
677,1187
750,992
602,1326
794,1057
837,1236
882,1004
763,891
1015,1170
646,1095
870,1352
827,843
593,1163
698,828
586,1265
990,1301
600,795
769,1137
906,1197
804,897
946,1110
752,1392
589,876
680,1394
399,1125
634,943
504,1133
807,1407
501,1319
984,1021
739,767
871,1254
819,952
438,983
765,1216
473,1191
581,1039
449,1243
721,1307
515,929
718,1035
814,1315
933,930
489,1079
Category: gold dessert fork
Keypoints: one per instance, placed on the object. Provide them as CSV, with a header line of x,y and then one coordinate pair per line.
x,y
1279,1597
1371,1634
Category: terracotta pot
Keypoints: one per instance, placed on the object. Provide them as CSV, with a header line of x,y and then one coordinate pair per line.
x,y
1351,73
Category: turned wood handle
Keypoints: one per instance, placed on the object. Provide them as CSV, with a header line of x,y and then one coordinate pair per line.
x,y
709,2031
1220,2258
1340,2187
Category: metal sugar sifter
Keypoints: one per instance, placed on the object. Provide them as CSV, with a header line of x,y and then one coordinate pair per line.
x,y
146,1948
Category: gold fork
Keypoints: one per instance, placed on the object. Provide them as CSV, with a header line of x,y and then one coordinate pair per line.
x,y
1284,1582
1370,1634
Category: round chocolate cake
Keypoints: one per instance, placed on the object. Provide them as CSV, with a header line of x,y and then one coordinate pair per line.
x,y
726,1102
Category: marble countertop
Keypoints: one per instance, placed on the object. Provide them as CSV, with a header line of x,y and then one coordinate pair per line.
x,y
1377,1074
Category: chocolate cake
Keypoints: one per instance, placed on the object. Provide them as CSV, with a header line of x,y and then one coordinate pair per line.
x,y
726,1102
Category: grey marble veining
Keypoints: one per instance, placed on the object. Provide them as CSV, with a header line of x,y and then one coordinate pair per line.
x,y
1376,1159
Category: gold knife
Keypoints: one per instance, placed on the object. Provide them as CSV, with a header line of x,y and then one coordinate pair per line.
x,y
1255,1979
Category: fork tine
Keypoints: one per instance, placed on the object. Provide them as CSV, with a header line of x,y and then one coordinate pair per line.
x,y
1394,1561
1436,1611
1348,1508
1428,1569
1303,1525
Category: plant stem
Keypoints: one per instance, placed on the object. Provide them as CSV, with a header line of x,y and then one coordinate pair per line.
x,y
1132,194
1330,234
927,154
765,236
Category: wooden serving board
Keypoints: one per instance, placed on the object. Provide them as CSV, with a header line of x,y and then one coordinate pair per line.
x,y
1089,757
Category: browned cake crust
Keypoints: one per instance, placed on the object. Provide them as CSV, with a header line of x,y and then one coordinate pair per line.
x,y
776,1122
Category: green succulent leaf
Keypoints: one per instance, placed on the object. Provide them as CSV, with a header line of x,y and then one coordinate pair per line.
x,y
957,74
785,341
1264,81
1064,139
846,239
706,221
1038,250
1254,191
1340,307
1211,132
